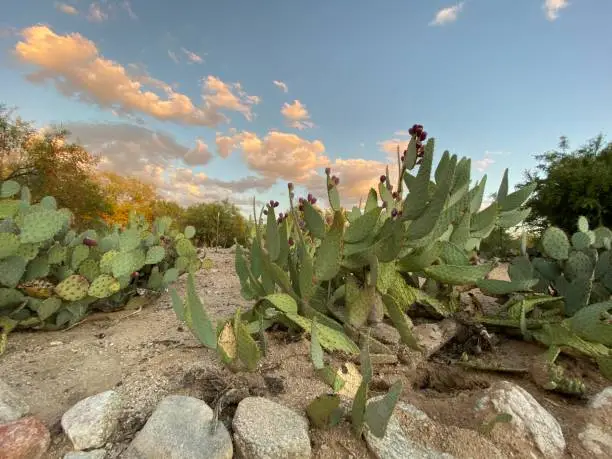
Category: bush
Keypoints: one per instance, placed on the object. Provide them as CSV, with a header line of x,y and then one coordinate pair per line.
x,y
217,224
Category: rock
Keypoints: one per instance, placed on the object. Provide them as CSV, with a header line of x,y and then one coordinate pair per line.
x,y
411,433
93,454
90,423
596,436
180,428
385,333
26,438
433,337
530,421
265,429
12,406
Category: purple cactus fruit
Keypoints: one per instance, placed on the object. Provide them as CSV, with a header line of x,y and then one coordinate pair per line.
x,y
394,213
383,178
337,180
290,241
313,201
301,207
89,242
423,136
280,215
135,274
276,204
309,197
395,195
271,202
327,170
290,186
411,131
265,212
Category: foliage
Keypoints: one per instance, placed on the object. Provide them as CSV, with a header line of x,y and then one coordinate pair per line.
x,y
127,195
570,184
51,276
500,243
218,224
50,166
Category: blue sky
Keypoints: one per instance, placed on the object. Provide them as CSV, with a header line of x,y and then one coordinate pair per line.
x,y
495,80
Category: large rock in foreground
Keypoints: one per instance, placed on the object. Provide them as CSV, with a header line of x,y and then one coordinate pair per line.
x,y
263,429
181,428
26,438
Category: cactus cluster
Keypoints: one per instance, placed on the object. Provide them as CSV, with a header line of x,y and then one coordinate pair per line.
x,y
579,268
51,276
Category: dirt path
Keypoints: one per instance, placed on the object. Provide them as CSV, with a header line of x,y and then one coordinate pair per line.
x,y
148,355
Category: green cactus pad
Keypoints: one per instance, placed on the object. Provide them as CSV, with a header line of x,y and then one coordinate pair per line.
x,y
581,240
453,254
577,295
330,339
156,280
10,296
155,255
502,192
511,218
73,288
106,262
9,208
28,251
170,276
514,200
359,302
501,287
48,307
185,248
189,232
11,270
9,189
181,263
362,226
57,254
41,226
248,350
122,264
583,224
129,240
49,203
90,269
9,244
458,275
79,254
400,321
103,286
109,243
314,221
555,243
483,222
578,265
37,268
378,412
329,253
593,323
601,234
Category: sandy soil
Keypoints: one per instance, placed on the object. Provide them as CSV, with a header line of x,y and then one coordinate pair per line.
x,y
148,354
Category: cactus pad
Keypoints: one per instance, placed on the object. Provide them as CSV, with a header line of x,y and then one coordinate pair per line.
x,y
41,226
90,269
458,275
79,254
189,232
48,307
155,255
9,244
9,189
73,288
129,240
103,286
578,265
11,270
330,339
37,268
122,264
10,296
185,248
581,241
555,243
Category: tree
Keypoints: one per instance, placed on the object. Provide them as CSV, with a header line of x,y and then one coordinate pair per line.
x,y
572,184
217,224
127,194
161,208
50,165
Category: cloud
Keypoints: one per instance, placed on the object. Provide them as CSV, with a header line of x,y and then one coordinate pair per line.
x,y
483,164
173,56
283,86
552,8
74,65
297,115
65,8
447,15
96,14
390,147
127,6
192,57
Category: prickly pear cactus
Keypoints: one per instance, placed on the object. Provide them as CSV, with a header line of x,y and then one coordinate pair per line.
x,y
51,275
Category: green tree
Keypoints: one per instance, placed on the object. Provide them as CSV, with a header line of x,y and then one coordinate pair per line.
x,y
50,165
161,208
570,184
217,224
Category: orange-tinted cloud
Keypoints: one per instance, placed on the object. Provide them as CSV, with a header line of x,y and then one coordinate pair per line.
x,y
67,9
74,65
297,115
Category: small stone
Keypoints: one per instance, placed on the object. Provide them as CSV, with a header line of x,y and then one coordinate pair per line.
x,y
596,435
433,337
90,423
12,405
55,343
181,428
530,421
93,454
26,438
385,333
265,429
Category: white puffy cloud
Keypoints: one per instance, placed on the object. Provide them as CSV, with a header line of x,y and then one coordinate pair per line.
x,y
447,15
282,86
553,7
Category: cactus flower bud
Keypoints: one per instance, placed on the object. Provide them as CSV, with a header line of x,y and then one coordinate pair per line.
x,y
423,136
309,197
383,178
337,180
290,186
411,131
314,200
290,241
394,213
276,204
89,242
280,215
327,170
271,202
135,274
